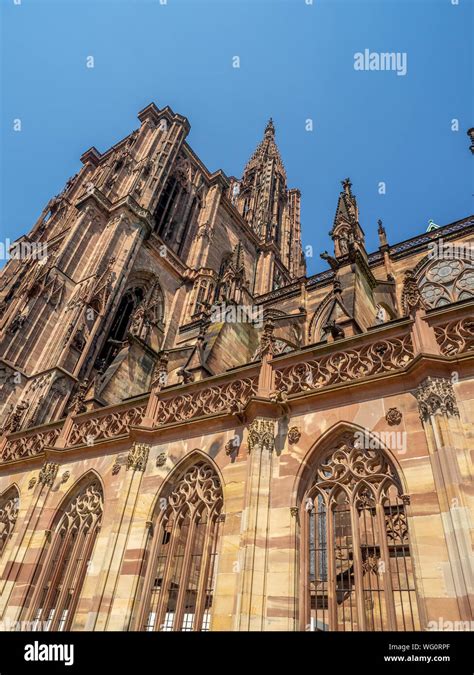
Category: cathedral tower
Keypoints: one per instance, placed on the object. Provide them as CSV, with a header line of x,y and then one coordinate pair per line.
x,y
273,212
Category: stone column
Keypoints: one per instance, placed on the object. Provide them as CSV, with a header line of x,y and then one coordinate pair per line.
x,y
440,416
252,600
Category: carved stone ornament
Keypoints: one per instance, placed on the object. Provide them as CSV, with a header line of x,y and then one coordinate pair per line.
x,y
393,416
199,485
267,340
280,395
116,468
32,482
85,511
48,473
436,396
230,396
138,457
15,417
77,402
205,230
160,373
294,435
232,446
9,504
455,337
411,294
261,435
381,356
161,459
236,407
294,510
65,477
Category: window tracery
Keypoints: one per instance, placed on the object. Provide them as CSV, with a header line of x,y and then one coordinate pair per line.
x,y
179,584
358,572
68,558
446,281
9,503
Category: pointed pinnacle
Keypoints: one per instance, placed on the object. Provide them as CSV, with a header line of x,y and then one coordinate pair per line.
x,y
270,128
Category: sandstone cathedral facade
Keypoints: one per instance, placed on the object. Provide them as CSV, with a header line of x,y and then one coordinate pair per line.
x,y
169,462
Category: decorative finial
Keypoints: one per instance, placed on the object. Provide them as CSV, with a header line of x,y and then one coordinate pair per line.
x,y
270,128
346,184
382,233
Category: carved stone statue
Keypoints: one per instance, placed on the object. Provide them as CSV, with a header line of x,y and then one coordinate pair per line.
x,y
77,402
15,417
17,323
186,376
330,260
412,299
343,244
336,331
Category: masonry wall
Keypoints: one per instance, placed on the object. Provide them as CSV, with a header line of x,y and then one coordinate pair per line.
x,y
110,596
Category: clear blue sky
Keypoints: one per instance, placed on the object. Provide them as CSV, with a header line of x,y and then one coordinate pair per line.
x,y
297,62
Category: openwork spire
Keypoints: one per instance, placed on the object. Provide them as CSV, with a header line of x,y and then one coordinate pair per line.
x,y
266,152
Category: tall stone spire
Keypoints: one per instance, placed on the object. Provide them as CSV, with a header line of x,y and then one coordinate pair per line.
x,y
263,187
273,212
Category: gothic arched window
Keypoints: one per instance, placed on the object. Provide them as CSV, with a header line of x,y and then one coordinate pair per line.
x,y
447,280
357,567
68,557
179,584
189,218
9,501
164,204
120,325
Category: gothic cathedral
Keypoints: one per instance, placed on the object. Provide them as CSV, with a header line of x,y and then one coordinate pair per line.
x,y
197,436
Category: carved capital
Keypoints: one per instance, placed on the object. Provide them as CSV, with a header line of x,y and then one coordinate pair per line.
x,y
138,457
261,435
48,473
436,396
